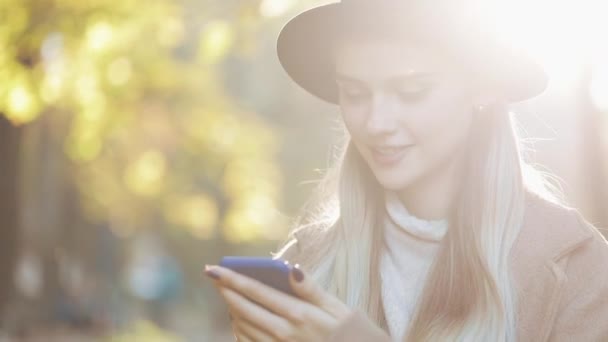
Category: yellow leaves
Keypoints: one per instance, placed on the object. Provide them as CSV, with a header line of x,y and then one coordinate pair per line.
x,y
119,71
216,40
171,32
253,216
84,143
244,175
275,8
146,174
22,104
16,21
198,214
51,87
254,187
222,133
230,134
99,36
144,330
86,87
138,89
19,99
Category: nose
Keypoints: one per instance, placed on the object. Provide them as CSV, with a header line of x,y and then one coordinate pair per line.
x,y
381,117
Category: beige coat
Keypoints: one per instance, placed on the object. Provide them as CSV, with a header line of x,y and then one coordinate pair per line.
x,y
560,268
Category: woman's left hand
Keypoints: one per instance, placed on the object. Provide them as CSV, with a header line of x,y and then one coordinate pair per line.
x,y
262,313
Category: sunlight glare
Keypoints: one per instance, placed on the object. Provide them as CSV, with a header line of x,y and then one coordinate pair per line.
x,y
559,35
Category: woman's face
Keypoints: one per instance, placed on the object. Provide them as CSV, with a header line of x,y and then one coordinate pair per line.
x,y
407,110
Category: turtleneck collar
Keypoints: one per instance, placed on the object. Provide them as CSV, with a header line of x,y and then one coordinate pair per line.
x,y
433,230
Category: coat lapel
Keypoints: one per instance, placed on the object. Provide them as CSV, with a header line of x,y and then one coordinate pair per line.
x,y
549,232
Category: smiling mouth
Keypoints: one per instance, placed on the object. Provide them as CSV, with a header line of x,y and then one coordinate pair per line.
x,y
389,155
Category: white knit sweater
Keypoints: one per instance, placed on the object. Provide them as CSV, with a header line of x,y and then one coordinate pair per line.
x,y
410,244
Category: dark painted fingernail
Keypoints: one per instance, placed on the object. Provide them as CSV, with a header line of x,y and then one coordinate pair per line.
x,y
212,273
298,275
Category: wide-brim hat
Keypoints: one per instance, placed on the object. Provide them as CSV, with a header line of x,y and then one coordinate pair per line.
x,y
458,28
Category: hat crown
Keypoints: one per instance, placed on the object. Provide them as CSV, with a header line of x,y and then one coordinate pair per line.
x,y
459,29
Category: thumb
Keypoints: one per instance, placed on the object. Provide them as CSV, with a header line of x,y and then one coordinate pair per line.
x,y
308,290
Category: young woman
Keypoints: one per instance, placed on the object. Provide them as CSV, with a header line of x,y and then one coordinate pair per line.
x,y
430,226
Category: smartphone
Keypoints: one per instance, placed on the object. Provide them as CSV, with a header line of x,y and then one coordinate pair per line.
x,y
272,272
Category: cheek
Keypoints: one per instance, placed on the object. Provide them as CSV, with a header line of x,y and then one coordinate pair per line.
x,y
441,131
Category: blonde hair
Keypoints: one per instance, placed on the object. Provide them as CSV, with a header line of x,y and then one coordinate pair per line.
x,y
469,292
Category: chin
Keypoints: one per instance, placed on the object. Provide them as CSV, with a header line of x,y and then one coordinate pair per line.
x,y
394,181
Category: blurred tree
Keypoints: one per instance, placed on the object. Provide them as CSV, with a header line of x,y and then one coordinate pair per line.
x,y
142,91
9,155
146,125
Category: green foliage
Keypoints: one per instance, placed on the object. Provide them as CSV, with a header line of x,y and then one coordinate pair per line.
x,y
153,135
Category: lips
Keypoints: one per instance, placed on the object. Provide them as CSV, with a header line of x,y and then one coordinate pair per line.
x,y
388,155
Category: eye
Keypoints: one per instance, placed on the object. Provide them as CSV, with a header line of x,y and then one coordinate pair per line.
x,y
411,93
353,95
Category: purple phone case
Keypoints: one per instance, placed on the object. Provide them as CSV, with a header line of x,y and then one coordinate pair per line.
x,y
272,272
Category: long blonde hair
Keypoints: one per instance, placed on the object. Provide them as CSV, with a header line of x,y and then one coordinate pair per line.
x,y
469,292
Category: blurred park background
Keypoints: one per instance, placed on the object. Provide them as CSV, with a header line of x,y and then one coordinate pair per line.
x,y
141,139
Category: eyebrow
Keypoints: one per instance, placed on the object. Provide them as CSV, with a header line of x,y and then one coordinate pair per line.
x,y
403,77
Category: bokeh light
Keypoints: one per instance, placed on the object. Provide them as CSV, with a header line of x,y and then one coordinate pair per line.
x,y
119,71
173,120
99,36
22,105
275,8
216,40
145,175
198,214
561,35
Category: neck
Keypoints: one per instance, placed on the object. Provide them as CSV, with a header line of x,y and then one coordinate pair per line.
x,y
431,197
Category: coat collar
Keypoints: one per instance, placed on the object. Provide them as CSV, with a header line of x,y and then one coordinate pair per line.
x,y
549,232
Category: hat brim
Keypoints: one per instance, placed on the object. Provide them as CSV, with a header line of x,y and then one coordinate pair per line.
x,y
304,51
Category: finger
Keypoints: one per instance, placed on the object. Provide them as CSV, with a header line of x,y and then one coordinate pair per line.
x,y
250,331
307,289
274,300
295,310
263,319
240,337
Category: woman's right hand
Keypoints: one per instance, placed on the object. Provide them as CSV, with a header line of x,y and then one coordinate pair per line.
x,y
262,313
